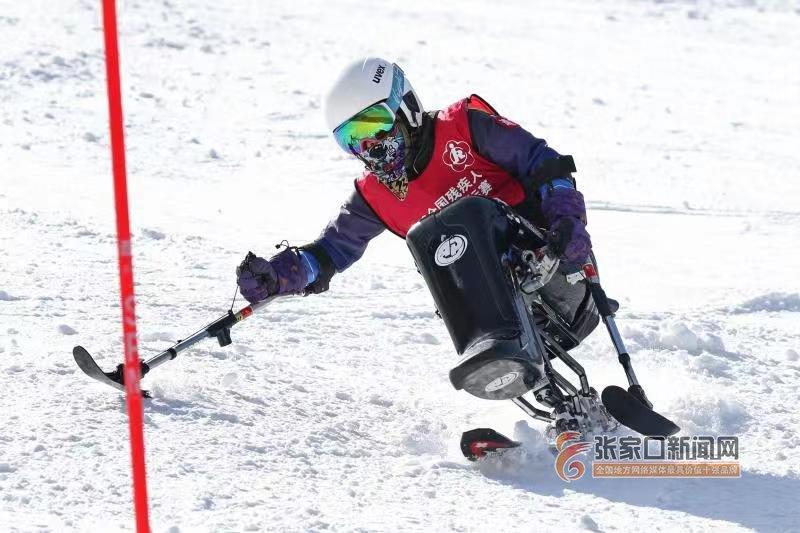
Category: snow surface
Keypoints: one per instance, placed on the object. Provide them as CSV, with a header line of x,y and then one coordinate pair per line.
x,y
334,412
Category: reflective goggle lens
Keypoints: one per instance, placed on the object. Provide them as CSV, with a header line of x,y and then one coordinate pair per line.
x,y
366,125
375,119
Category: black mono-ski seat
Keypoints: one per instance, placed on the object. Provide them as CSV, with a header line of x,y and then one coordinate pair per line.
x,y
460,253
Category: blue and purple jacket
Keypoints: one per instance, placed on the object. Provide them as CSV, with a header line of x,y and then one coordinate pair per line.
x,y
345,238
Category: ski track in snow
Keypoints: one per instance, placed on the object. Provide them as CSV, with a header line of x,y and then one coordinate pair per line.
x,y
334,412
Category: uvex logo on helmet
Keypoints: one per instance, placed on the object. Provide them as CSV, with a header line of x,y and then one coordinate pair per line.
x,y
379,73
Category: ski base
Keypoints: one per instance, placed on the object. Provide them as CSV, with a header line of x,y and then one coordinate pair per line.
x,y
90,367
629,411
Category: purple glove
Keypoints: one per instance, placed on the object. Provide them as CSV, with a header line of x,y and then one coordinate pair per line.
x,y
259,279
565,211
569,240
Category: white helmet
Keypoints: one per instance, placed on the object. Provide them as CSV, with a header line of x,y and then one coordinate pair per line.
x,y
367,82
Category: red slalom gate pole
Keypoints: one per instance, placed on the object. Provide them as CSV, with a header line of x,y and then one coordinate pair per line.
x,y
132,366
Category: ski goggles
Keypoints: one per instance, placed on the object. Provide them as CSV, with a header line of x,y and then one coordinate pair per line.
x,y
373,122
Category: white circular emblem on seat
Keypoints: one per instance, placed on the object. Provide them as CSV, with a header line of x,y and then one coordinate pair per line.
x,y
450,250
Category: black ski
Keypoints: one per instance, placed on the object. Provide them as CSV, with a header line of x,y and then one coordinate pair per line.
x,y
631,412
90,367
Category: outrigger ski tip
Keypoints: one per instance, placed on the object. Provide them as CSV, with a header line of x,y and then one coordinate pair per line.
x,y
90,367
219,329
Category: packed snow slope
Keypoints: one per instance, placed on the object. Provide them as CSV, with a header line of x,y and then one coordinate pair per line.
x,y
334,412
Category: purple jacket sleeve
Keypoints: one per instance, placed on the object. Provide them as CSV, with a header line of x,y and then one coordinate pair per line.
x,y
345,238
507,145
